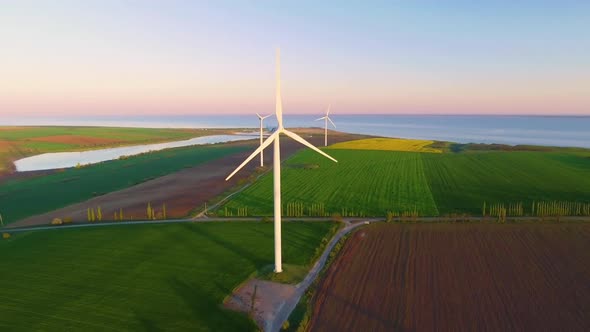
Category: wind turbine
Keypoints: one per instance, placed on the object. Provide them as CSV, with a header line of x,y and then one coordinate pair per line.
x,y
326,119
275,138
261,118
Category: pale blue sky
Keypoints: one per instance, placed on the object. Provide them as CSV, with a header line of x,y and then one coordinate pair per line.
x,y
530,57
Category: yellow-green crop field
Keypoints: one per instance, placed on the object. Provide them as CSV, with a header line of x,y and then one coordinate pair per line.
x,y
388,144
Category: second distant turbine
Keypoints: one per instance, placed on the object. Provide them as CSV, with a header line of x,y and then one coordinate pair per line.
x,y
326,119
261,118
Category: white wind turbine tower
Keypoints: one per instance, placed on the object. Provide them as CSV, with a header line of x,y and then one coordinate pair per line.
x,y
261,118
326,119
275,137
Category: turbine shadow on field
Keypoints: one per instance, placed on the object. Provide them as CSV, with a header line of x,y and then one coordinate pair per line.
x,y
237,250
388,324
147,324
203,306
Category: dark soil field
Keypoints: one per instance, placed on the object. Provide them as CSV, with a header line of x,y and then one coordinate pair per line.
x,y
458,277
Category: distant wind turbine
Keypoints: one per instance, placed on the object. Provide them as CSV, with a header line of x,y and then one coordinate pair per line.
x,y
275,137
261,118
326,119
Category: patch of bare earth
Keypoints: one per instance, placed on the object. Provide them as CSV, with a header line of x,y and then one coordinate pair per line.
x,y
260,299
182,191
75,140
12,128
5,146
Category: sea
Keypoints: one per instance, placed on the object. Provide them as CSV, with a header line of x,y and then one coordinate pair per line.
x,y
563,131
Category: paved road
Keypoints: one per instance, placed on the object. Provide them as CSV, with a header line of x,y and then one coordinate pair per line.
x,y
143,222
8,228
94,224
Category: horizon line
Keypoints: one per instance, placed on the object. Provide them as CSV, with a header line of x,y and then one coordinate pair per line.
x,y
300,114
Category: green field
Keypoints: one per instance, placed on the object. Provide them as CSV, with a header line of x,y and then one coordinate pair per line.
x,y
27,197
370,183
19,142
461,182
139,277
364,182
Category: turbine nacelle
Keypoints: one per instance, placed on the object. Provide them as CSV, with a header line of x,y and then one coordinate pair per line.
x,y
327,119
261,117
271,139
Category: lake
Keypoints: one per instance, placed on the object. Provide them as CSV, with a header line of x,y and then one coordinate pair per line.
x,y
70,159
538,130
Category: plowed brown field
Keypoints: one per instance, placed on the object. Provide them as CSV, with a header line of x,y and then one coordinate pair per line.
x,y
458,277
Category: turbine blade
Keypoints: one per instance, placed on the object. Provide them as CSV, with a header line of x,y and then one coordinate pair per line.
x,y
328,112
264,117
279,102
263,146
320,118
306,143
259,116
331,122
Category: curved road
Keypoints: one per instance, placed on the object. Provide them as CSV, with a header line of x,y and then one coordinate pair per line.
x,y
287,307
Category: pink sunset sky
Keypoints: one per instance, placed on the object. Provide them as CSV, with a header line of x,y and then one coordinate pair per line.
x,y
178,57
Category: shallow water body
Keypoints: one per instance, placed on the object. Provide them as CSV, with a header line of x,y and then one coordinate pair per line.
x,y
70,159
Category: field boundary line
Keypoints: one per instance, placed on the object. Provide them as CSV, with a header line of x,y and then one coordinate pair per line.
x,y
203,214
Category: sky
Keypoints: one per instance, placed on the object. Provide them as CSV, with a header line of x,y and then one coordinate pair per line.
x,y
217,57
